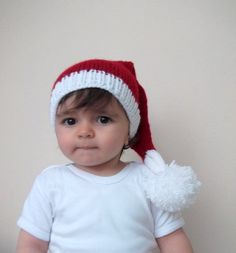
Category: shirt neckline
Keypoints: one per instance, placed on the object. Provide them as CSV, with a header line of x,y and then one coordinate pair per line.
x,y
101,179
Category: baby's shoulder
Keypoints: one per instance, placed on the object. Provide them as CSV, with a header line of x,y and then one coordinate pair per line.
x,y
54,170
52,175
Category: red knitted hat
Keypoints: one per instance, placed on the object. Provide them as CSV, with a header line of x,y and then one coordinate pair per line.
x,y
170,188
117,77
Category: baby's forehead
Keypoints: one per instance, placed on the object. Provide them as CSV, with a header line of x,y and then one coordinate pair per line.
x,y
70,105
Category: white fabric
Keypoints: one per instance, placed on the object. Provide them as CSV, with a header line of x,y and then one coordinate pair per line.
x,y
80,212
170,187
97,79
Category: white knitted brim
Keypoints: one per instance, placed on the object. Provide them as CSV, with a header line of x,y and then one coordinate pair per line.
x,y
97,79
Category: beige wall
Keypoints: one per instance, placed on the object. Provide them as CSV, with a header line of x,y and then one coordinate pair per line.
x,y
185,55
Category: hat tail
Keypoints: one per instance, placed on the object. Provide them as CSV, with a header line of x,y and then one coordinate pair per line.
x,y
169,187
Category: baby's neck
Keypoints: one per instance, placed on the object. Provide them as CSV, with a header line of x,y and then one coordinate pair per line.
x,y
104,170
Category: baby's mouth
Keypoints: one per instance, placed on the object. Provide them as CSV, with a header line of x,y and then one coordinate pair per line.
x,y
86,147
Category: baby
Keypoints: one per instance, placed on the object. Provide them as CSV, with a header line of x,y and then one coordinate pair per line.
x,y
98,203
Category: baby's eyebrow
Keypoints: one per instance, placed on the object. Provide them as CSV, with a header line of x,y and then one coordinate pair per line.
x,y
65,113
106,112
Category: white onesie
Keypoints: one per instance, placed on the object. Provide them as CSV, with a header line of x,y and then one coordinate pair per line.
x,y
80,212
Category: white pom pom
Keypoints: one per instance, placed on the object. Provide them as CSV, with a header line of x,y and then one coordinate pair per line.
x,y
171,188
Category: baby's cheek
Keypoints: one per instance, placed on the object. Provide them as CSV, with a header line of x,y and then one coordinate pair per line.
x,y
116,143
65,145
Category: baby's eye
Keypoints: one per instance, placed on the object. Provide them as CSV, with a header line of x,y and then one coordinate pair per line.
x,y
69,121
104,119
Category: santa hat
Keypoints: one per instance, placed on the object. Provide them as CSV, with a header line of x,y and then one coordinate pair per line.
x,y
170,188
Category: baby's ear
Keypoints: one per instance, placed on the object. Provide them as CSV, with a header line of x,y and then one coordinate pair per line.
x,y
132,141
126,144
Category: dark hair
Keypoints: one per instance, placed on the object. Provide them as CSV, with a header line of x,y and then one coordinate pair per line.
x,y
88,97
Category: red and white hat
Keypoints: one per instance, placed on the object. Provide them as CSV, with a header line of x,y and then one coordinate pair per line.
x,y
172,187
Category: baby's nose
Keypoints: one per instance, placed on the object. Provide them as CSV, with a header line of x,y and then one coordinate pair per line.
x,y
85,130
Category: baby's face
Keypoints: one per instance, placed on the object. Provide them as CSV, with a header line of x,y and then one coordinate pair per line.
x,y
93,138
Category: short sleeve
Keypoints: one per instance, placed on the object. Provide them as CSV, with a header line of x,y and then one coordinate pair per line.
x,y
37,215
166,222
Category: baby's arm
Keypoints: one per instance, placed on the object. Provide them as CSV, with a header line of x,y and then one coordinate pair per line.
x,y
30,244
176,242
